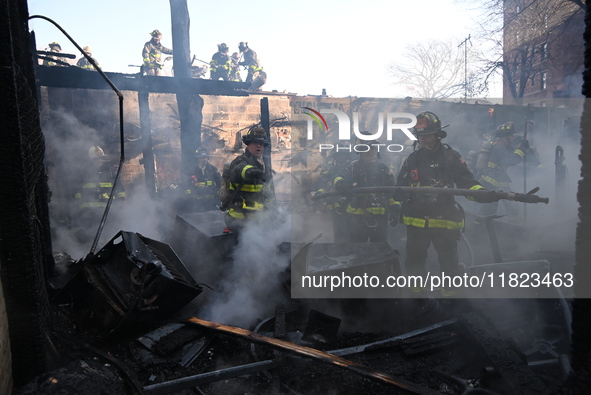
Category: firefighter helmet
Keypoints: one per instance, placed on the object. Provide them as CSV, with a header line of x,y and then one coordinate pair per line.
x,y
429,123
242,46
505,129
155,33
55,45
87,49
95,152
201,153
223,47
255,133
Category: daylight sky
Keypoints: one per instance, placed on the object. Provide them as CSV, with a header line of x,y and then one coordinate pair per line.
x,y
343,46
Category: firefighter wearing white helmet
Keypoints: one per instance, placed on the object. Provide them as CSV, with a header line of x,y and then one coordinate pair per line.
x,y
84,63
152,54
249,189
432,218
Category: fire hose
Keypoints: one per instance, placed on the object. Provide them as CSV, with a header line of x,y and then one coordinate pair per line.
x,y
529,197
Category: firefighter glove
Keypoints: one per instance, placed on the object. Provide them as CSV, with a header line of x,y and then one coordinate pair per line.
x,y
254,174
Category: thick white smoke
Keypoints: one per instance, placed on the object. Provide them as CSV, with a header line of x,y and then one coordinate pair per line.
x,y
252,287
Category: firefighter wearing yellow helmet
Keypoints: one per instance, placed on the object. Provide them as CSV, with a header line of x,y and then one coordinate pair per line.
x,y
152,54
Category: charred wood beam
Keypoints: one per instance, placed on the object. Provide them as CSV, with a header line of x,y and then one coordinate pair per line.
x,y
316,355
77,78
222,374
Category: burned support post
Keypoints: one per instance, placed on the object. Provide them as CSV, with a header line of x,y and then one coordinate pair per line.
x,y
190,105
146,132
266,124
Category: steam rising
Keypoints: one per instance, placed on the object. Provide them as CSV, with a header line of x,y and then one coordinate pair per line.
x,y
251,288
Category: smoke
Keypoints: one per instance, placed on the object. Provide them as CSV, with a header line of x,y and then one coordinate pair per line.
x,y
69,167
252,286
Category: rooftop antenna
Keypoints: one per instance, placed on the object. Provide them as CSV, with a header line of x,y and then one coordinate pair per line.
x,y
465,44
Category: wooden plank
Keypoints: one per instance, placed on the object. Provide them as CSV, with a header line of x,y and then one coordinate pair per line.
x,y
317,355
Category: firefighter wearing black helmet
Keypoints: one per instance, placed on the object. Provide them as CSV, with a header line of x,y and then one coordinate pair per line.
x,y
220,64
492,165
251,61
248,181
152,54
368,214
431,218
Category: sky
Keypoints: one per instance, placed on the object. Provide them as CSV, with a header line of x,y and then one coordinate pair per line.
x,y
342,46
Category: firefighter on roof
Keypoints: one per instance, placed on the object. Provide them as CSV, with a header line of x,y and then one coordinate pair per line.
x,y
219,66
152,54
436,219
83,63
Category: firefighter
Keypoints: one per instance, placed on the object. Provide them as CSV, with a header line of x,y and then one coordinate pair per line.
x,y
253,66
92,195
220,64
152,54
337,162
249,190
83,63
202,192
368,215
51,61
492,163
431,218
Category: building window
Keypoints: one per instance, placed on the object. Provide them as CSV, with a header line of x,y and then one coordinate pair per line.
x,y
533,80
544,50
543,80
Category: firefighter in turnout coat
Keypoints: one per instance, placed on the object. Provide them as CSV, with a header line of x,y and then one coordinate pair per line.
x,y
249,190
368,214
152,54
432,218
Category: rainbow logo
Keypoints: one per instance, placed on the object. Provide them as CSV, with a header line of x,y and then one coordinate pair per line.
x,y
318,118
